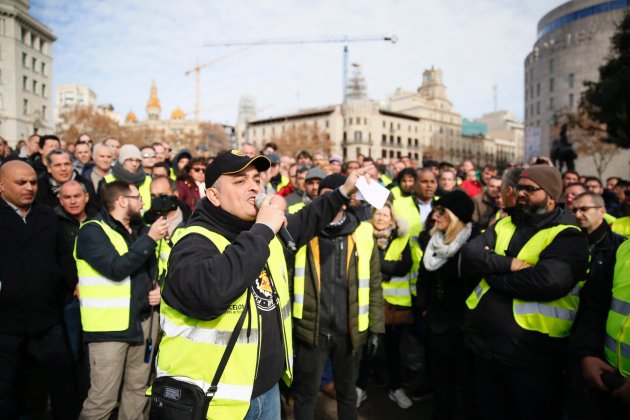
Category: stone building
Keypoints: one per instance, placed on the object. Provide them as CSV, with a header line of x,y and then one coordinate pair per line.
x,y
573,41
25,72
408,123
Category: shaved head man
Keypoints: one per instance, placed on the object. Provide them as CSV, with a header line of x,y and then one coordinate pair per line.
x,y
18,185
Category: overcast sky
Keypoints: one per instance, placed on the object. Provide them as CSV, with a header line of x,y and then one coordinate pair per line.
x,y
117,47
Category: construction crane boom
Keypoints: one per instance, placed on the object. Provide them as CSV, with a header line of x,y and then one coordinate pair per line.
x,y
197,70
333,39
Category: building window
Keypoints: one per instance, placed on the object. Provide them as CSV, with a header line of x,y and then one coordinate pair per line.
x,y
552,65
24,59
571,101
384,138
24,83
391,139
327,124
538,108
34,64
415,142
571,79
551,84
23,35
398,140
531,109
33,38
350,121
358,151
42,45
383,153
538,89
44,111
44,69
531,91
551,104
357,136
34,87
391,153
25,106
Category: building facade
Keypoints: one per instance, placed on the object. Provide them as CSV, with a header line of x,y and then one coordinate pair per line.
x,y
69,96
25,72
407,124
573,41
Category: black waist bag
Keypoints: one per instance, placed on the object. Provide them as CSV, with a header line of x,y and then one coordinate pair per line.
x,y
173,399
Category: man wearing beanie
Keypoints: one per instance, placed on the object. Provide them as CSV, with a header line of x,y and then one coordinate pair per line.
x,y
530,268
128,168
337,309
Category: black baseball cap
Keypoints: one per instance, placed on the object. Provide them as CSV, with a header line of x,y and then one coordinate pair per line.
x,y
231,162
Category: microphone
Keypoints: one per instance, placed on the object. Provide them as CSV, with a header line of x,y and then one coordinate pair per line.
x,y
283,233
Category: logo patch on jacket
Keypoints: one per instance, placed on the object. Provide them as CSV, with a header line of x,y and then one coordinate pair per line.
x,y
263,292
172,393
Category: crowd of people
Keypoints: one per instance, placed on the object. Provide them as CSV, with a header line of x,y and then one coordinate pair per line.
x,y
498,294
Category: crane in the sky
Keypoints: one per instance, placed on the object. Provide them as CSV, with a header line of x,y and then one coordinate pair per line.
x,y
197,70
338,39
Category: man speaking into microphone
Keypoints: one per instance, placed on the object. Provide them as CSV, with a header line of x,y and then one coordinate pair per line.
x,y
227,289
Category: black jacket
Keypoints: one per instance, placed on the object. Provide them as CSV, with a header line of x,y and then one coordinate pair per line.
x,y
589,329
202,283
491,331
139,263
36,269
46,196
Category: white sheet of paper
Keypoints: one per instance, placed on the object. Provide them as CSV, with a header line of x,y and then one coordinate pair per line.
x,y
374,193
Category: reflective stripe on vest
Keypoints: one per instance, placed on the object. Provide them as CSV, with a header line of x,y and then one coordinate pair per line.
x,y
406,208
104,302
163,252
192,348
294,208
617,343
144,189
396,291
553,318
364,243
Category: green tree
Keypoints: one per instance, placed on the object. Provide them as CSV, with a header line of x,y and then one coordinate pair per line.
x,y
608,100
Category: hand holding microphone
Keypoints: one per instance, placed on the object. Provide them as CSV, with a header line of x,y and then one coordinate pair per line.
x,y
272,215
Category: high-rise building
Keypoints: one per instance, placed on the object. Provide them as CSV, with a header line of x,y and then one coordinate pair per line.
x,y
573,41
25,72
70,96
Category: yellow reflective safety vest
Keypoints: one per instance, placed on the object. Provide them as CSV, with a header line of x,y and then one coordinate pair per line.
x,y
406,208
144,189
553,318
385,179
621,226
191,349
105,303
617,341
294,208
397,290
364,241
163,251
396,192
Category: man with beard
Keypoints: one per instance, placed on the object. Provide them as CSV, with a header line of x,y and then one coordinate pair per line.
x,y
128,168
116,265
519,316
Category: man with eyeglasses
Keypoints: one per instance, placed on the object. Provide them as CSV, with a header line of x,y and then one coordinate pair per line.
x,y
590,325
531,265
129,168
116,265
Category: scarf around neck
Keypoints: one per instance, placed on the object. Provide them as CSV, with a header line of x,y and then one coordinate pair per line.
x,y
124,175
437,252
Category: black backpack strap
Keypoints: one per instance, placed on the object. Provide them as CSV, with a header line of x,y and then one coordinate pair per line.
x,y
228,350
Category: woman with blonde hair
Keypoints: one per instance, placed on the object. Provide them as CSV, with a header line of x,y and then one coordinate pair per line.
x,y
441,296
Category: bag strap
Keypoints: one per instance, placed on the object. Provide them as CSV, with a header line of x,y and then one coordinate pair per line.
x,y
228,351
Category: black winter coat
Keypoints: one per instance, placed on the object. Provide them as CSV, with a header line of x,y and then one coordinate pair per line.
x,y
589,329
139,263
36,270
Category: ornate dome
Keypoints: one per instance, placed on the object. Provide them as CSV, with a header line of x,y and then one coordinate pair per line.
x,y
177,114
131,118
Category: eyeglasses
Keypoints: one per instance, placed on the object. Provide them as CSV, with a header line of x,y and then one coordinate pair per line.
x,y
529,189
574,210
135,197
199,169
148,155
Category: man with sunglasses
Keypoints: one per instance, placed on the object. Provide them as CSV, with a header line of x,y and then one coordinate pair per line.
x,y
531,265
116,265
590,325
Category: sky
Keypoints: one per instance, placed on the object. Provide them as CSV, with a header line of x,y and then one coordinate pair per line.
x,y
118,47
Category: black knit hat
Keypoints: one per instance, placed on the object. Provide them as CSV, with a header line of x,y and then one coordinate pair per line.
x,y
231,162
332,181
459,204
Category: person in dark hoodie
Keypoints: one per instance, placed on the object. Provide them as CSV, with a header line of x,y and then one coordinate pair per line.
x,y
338,307
228,264
520,314
116,266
